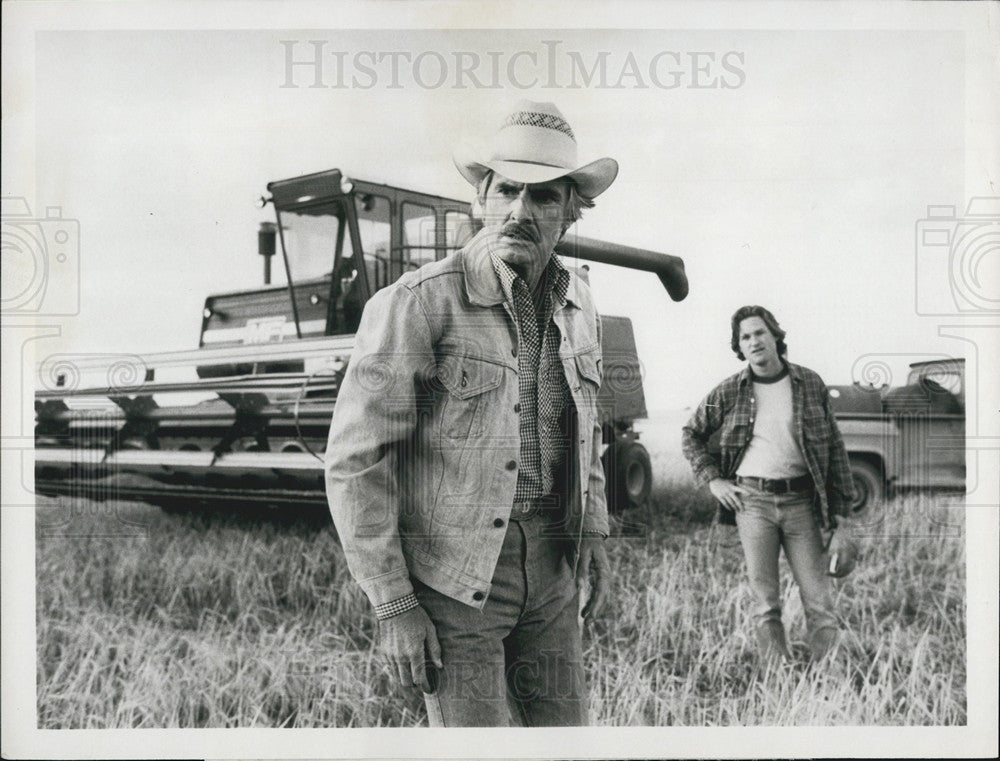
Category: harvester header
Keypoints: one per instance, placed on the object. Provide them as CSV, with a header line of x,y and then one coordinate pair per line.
x,y
270,360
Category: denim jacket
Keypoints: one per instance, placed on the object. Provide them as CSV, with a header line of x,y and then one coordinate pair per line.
x,y
729,411
422,457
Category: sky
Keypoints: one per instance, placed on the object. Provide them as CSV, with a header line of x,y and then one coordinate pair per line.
x,y
788,152
786,167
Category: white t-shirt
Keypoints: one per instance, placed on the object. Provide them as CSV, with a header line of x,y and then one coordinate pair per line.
x,y
773,451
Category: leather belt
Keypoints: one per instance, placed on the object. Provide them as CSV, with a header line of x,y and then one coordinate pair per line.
x,y
778,485
523,511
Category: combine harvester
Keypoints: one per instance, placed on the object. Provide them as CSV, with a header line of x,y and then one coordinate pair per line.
x,y
243,420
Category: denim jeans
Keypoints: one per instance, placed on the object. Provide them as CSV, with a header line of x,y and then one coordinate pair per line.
x,y
519,660
768,522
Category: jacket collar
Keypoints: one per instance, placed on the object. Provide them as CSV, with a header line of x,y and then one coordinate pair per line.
x,y
481,283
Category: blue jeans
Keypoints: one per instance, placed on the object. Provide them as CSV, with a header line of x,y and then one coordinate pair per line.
x,y
519,660
768,522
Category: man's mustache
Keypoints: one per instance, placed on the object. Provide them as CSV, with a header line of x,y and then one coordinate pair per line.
x,y
523,232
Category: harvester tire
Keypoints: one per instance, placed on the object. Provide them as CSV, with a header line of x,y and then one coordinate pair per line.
x,y
629,474
869,486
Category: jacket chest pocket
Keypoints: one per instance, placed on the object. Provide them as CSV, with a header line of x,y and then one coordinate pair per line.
x,y
467,384
585,380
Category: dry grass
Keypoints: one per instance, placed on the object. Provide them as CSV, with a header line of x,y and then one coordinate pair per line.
x,y
153,620
677,648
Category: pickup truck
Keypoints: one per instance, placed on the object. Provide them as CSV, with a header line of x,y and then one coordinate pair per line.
x,y
910,437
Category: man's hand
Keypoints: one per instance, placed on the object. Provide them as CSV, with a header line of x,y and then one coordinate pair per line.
x,y
727,492
407,640
593,564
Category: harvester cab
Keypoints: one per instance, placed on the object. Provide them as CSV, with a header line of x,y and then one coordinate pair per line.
x,y
270,361
340,241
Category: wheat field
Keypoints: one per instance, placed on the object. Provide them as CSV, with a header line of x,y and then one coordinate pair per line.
x,y
146,619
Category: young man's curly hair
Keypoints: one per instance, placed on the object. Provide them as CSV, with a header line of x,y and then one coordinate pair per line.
x,y
772,324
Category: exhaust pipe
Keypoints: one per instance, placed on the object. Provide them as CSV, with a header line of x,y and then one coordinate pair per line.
x,y
265,246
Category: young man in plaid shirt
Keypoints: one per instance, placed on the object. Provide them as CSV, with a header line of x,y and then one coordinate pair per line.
x,y
781,471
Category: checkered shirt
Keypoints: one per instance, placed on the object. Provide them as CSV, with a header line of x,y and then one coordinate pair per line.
x,y
542,389
396,607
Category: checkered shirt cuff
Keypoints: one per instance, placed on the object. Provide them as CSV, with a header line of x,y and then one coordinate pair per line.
x,y
396,607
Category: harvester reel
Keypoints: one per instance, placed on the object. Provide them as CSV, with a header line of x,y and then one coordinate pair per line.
x,y
334,368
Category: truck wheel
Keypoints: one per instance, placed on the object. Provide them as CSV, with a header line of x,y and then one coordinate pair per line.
x,y
869,486
629,475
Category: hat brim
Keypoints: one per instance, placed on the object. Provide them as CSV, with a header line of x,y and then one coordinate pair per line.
x,y
592,179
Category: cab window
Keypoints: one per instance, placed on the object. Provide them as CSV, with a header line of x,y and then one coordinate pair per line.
x,y
374,228
418,236
458,230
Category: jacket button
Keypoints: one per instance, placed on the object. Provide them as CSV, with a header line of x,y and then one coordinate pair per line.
x,y
513,352
477,596
511,464
517,407
498,522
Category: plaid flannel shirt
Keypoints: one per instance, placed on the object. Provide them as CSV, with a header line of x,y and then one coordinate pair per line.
x,y
728,412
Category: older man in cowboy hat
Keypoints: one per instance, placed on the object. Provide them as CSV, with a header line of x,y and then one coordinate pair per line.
x,y
463,466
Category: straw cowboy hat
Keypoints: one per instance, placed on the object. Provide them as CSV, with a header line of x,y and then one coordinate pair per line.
x,y
535,144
